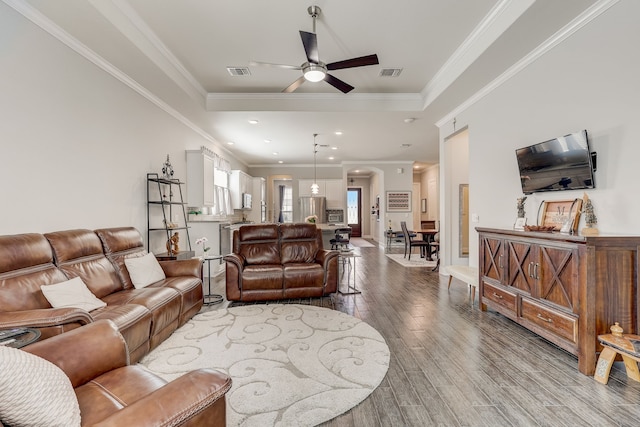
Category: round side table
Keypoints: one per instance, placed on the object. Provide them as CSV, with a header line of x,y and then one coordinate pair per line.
x,y
209,298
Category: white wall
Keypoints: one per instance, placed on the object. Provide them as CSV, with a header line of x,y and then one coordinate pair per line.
x,y
589,81
76,143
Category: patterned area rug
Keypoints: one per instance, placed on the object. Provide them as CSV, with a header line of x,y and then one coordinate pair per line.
x,y
416,261
291,365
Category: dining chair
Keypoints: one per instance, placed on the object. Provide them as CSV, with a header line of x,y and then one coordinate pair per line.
x,y
410,243
341,238
435,249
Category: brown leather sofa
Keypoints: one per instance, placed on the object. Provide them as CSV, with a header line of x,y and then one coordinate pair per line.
x,y
145,317
111,392
276,261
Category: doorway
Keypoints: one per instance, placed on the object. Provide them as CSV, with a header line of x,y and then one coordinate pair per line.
x,y
354,211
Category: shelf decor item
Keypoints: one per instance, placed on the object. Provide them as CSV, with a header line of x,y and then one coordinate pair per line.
x,y
202,241
167,169
562,215
521,220
590,219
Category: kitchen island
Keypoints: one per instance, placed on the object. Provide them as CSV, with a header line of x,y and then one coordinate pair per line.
x,y
329,232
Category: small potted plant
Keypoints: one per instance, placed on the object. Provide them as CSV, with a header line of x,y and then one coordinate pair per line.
x,y
202,241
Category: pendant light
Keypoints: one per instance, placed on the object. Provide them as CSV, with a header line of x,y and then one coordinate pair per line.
x,y
315,188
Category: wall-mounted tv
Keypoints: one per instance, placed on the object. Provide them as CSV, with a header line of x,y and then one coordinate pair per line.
x,y
563,163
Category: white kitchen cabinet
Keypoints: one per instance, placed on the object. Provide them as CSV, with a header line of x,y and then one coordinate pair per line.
x,y
335,194
240,183
200,188
332,189
258,211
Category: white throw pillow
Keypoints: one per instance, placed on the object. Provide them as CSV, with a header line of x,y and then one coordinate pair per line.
x,y
72,293
34,392
144,270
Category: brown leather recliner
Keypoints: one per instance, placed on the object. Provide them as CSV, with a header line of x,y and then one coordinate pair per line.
x,y
111,392
145,317
276,261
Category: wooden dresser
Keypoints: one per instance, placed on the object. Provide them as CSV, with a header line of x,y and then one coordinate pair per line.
x,y
566,288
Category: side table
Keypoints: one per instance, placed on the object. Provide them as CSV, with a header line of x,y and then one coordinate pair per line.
x,y
344,259
209,298
23,337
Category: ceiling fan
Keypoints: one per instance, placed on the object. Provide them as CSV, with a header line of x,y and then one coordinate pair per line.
x,y
315,70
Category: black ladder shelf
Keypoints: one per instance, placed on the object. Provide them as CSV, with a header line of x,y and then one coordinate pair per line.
x,y
167,202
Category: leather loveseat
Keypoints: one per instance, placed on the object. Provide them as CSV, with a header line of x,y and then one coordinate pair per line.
x,y
277,261
145,317
111,392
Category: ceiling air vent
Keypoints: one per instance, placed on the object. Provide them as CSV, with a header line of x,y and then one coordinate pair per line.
x,y
239,71
390,72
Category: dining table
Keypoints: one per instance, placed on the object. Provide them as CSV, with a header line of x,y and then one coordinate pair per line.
x,y
427,236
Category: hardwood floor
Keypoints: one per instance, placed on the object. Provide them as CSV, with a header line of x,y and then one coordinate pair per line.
x,y
454,365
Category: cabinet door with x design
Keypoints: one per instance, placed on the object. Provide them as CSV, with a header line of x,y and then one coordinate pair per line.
x,y
521,265
556,275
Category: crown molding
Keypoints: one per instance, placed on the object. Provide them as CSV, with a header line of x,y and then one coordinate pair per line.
x,y
127,21
493,25
36,17
314,102
561,35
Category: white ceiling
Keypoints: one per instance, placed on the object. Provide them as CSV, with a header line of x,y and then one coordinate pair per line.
x,y
178,52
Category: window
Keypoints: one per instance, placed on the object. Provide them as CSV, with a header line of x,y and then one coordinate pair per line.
x,y
287,205
222,196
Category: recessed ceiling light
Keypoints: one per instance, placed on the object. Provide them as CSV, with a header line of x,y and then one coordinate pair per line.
x,y
410,120
280,161
275,153
267,141
338,132
331,158
253,122
334,148
230,143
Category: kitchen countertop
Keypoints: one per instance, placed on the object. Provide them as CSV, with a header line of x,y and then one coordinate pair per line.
x,y
331,226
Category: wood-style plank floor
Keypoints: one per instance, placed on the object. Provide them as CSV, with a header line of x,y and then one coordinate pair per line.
x,y
454,365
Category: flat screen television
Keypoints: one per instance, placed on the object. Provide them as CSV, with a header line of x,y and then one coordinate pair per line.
x,y
563,163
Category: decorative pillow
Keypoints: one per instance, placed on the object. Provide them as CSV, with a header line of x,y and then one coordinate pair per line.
x,y
72,293
144,270
34,392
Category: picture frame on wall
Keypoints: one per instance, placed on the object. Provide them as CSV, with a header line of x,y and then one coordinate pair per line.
x,y
398,201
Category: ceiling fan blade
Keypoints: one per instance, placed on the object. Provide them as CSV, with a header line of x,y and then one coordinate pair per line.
x,y
269,64
354,62
310,43
293,86
337,83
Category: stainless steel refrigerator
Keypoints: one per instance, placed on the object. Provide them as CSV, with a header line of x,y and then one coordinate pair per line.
x,y
312,206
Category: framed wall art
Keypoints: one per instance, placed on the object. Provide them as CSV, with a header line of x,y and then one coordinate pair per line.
x,y
398,201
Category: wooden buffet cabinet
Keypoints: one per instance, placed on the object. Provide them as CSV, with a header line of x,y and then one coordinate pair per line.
x,y
566,288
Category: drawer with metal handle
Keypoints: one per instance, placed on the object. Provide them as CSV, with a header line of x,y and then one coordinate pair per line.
x,y
499,296
560,324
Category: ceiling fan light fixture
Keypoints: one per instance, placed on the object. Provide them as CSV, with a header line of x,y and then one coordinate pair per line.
x,y
314,72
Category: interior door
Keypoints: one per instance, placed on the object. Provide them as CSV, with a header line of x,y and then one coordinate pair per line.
x,y
354,211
